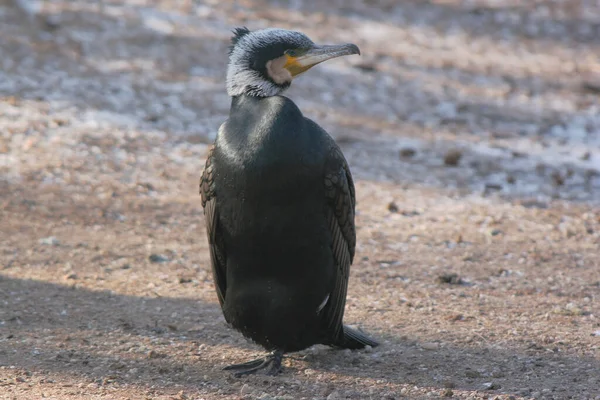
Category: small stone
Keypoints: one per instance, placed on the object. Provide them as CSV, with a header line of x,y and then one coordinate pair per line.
x,y
448,393
591,83
536,395
492,187
155,354
366,67
452,157
451,278
50,241
52,22
334,395
407,152
245,390
71,276
533,203
449,384
490,386
573,309
403,391
447,110
393,207
524,392
430,346
558,178
158,258
472,374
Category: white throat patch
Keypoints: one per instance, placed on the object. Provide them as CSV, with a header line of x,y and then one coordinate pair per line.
x,y
277,72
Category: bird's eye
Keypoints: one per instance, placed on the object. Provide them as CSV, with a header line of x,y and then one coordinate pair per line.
x,y
292,53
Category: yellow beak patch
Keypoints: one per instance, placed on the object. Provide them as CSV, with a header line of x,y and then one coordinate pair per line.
x,y
294,66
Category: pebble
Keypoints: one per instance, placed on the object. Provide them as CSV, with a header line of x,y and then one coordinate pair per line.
x,y
49,241
452,157
334,395
158,258
490,386
152,354
472,374
246,389
407,152
450,278
430,346
448,384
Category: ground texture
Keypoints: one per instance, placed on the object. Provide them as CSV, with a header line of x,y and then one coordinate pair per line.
x,y
473,132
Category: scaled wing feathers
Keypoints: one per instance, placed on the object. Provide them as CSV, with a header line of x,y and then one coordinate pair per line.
x,y
211,216
339,190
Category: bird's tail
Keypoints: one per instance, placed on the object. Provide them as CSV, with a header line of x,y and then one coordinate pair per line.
x,y
353,339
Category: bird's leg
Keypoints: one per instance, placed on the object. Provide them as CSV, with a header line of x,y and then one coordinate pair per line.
x,y
276,358
273,360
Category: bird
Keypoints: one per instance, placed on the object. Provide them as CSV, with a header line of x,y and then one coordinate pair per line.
x,y
279,205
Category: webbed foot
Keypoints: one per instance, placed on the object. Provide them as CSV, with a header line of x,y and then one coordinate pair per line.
x,y
271,361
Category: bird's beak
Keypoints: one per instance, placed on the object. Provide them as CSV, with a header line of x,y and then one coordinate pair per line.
x,y
318,54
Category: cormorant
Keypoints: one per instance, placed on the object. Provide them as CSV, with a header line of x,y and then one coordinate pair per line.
x,y
279,202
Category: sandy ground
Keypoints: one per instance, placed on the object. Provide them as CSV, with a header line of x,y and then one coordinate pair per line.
x,y
473,132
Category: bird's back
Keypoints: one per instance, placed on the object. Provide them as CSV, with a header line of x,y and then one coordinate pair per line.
x,y
269,165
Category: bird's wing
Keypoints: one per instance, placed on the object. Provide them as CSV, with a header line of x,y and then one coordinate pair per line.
x,y
211,216
339,190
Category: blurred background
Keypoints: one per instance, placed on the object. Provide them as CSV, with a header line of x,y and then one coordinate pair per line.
x,y
486,96
472,129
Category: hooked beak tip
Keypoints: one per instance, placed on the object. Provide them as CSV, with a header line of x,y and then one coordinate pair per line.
x,y
354,48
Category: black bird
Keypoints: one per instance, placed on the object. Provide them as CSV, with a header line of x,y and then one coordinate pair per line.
x,y
279,201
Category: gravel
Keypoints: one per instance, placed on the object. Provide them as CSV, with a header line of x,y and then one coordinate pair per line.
x,y
473,132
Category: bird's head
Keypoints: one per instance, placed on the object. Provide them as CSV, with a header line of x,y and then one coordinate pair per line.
x,y
263,63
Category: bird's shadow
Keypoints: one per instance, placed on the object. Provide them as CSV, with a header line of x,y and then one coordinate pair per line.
x,y
54,338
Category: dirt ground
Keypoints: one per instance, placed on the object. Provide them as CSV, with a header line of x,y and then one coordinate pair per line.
x,y
473,132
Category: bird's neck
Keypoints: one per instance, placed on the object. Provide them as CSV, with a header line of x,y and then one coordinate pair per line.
x,y
245,82
244,100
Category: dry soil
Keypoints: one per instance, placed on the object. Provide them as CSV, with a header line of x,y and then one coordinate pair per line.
x,y
473,132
